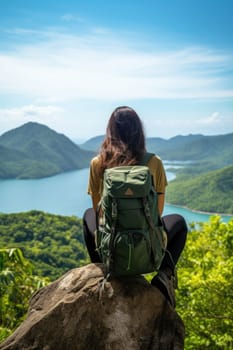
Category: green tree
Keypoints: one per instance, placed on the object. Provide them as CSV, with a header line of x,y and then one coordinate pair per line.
x,y
16,287
205,295
53,243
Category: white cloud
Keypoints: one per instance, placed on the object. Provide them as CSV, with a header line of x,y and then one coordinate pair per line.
x,y
216,123
178,123
213,119
88,75
98,66
10,117
50,115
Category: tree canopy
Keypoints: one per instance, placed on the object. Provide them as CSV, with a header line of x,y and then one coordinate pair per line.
x,y
205,295
53,243
205,272
17,283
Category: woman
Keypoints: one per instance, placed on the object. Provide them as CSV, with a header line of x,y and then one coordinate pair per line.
x,y
124,144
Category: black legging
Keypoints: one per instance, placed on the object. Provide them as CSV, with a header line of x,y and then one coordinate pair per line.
x,y
174,225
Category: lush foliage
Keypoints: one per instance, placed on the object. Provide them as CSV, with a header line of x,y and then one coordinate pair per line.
x,y
17,283
34,150
53,243
205,271
205,295
211,192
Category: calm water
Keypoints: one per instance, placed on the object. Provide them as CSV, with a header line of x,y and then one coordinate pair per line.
x,y
64,194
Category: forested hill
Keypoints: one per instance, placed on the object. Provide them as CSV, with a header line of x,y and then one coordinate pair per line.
x,y
211,192
215,149
34,150
93,144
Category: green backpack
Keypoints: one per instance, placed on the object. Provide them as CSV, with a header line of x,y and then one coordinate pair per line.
x,y
130,238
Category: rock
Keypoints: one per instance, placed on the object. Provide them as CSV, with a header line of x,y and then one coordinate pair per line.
x,y
76,313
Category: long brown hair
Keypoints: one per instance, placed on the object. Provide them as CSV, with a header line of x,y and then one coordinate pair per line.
x,y
124,143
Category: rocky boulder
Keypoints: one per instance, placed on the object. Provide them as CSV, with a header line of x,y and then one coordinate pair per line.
x,y
79,312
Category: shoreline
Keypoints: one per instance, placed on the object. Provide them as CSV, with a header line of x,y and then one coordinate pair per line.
x,y
198,211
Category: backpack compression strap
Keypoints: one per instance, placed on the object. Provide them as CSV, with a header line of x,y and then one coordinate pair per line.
x,y
150,223
146,158
110,260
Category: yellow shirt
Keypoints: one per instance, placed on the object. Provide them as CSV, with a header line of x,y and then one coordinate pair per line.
x,y
95,185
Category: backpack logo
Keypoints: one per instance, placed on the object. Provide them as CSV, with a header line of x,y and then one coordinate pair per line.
x,y
129,192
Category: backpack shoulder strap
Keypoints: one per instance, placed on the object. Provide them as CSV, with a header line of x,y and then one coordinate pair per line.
x,y
147,156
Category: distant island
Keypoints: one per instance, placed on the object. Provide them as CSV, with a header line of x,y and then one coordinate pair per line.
x,y
204,183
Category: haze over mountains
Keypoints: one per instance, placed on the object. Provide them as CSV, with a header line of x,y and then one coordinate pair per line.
x,y
34,150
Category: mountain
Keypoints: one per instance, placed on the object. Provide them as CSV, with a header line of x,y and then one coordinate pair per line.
x,y
93,144
154,144
14,162
34,150
198,148
172,145
211,192
211,152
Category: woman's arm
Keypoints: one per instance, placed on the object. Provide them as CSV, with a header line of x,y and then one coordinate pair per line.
x,y
161,201
160,180
94,183
95,200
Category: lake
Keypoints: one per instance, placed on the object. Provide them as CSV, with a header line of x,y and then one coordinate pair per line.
x,y
66,194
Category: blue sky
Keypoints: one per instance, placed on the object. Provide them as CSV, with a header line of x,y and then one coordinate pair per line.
x,y
68,64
